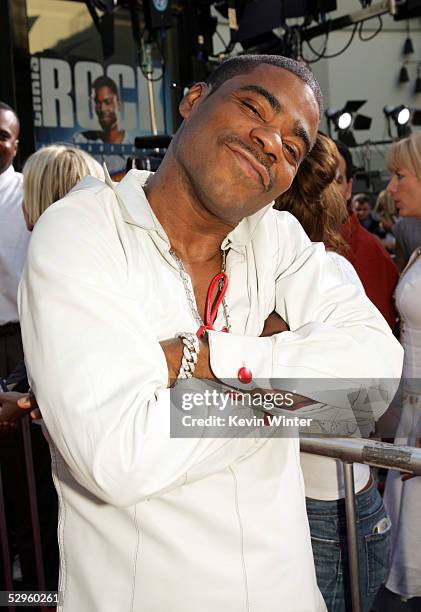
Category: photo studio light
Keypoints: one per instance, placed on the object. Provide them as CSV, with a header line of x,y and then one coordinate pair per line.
x,y
400,115
346,119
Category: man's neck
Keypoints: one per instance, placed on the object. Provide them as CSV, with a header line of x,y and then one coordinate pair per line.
x,y
194,233
114,136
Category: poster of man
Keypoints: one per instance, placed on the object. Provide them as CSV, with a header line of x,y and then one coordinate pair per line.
x,y
106,103
106,99
99,109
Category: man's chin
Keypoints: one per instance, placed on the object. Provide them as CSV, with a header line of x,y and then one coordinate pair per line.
x,y
232,216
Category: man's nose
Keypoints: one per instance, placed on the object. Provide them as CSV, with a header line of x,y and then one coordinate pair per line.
x,y
269,141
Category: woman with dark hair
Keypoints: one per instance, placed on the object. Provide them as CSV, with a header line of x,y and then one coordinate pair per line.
x,y
315,200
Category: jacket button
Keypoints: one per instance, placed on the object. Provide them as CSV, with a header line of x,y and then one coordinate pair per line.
x,y
244,375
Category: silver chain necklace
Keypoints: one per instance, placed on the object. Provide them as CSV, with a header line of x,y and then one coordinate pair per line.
x,y
190,293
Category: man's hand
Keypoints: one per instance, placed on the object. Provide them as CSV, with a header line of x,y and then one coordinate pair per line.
x,y
173,350
14,406
274,324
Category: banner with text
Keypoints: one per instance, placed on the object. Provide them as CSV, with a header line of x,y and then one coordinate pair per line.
x,y
100,109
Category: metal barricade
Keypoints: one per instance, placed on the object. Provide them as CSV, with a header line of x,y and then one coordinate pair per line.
x,y
370,452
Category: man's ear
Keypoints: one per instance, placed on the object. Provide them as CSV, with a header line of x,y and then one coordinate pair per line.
x,y
16,148
193,97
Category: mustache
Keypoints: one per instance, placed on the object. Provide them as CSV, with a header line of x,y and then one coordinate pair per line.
x,y
259,155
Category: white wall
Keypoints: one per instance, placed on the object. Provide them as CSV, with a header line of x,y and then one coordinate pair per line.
x,y
365,71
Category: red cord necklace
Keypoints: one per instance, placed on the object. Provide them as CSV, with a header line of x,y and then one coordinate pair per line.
x,y
220,283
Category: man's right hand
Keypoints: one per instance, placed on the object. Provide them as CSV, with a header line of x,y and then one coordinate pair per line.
x,y
173,350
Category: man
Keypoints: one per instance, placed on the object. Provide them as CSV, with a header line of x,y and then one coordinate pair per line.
x,y
107,107
370,259
154,522
13,241
362,204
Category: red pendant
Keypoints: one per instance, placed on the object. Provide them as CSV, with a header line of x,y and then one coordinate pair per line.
x,y
245,375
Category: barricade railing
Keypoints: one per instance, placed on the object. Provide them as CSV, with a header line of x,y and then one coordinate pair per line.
x,y
370,452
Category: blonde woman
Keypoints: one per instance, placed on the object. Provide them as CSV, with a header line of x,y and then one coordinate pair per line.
x,y
387,214
385,210
403,497
50,173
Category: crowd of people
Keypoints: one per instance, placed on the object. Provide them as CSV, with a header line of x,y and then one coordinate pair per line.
x,y
118,320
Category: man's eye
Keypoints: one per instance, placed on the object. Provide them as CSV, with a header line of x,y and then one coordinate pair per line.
x,y
252,108
292,151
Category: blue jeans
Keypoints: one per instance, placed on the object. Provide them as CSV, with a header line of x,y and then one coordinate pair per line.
x,y
328,537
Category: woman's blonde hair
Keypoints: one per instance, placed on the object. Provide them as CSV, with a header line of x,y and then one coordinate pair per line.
x,y
50,173
406,155
314,198
385,207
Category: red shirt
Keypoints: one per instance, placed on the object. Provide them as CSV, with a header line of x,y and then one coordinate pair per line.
x,y
373,265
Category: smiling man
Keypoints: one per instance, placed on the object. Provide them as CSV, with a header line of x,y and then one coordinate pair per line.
x,y
157,523
107,105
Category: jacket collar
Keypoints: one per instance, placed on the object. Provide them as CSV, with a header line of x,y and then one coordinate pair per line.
x,y
137,211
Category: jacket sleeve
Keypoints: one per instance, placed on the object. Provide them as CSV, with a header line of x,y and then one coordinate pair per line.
x,y
98,371
340,350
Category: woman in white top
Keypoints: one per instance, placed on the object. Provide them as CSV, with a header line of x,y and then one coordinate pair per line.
x,y
403,497
315,200
48,174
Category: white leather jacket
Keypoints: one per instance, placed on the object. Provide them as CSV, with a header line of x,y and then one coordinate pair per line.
x,y
150,522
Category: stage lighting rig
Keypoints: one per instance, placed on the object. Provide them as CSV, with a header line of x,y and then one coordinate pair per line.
x,y
104,23
399,9
401,116
346,119
341,119
252,22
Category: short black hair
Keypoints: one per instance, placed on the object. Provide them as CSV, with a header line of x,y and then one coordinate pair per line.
x,y
104,81
246,63
6,107
361,198
346,154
